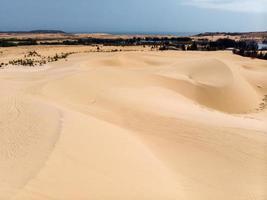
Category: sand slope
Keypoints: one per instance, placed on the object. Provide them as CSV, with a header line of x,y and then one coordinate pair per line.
x,y
135,125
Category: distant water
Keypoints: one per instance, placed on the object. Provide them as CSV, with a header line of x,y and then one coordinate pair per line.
x,y
145,33
262,46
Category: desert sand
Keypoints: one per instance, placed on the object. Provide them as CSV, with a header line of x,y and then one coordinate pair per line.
x,y
133,125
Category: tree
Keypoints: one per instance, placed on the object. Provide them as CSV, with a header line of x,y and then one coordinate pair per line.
x,y
193,47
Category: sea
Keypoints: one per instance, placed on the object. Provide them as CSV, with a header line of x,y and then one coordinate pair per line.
x,y
262,46
181,34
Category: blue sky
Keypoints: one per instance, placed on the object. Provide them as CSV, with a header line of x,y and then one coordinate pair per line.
x,y
134,15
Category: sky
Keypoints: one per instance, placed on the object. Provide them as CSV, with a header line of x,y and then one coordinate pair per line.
x,y
134,15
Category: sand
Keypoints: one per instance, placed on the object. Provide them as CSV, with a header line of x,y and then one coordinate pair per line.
x,y
133,125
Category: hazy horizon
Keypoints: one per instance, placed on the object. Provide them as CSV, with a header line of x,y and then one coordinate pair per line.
x,y
128,32
170,16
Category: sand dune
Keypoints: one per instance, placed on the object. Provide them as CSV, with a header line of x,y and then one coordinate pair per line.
x,y
135,125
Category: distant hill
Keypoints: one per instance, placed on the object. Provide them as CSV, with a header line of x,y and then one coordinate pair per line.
x,y
36,31
46,31
260,33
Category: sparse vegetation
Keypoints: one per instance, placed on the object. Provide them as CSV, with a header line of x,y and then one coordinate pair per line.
x,y
32,54
32,58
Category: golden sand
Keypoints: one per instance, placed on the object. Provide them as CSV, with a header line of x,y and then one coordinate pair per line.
x,y
134,125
